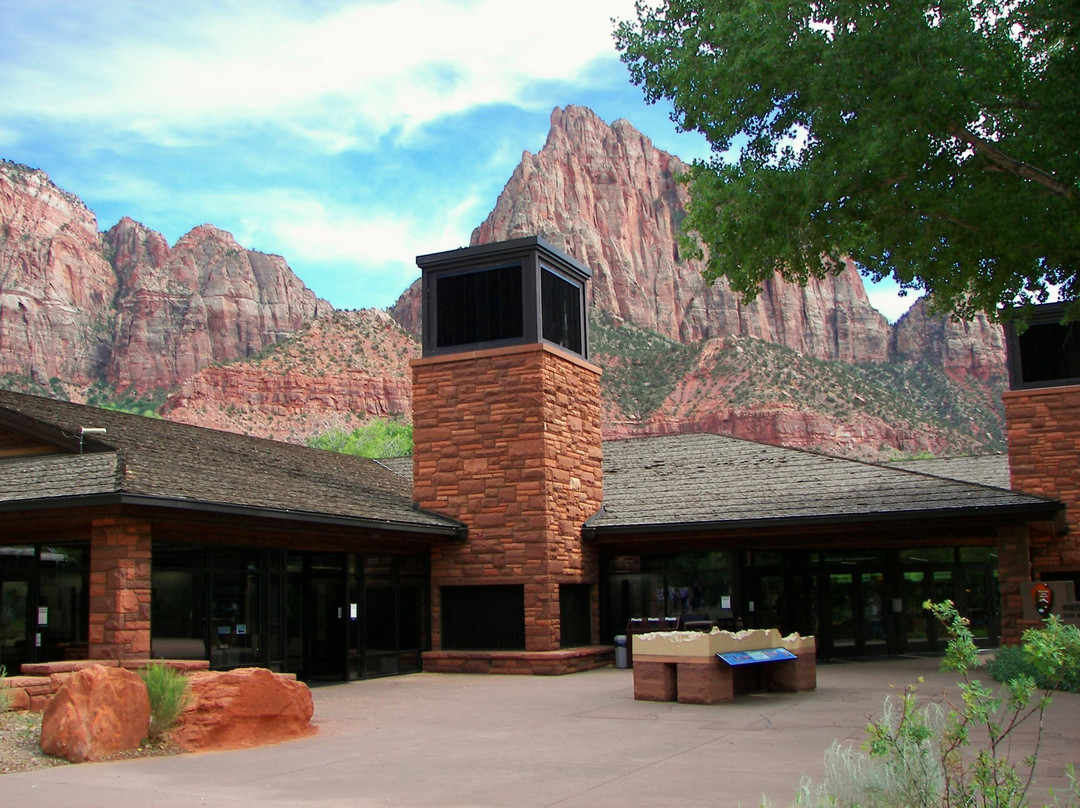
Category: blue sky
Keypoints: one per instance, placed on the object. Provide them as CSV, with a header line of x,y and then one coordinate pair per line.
x,y
347,136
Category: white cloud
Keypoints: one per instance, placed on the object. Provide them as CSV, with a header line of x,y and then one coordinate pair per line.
x,y
342,77
296,223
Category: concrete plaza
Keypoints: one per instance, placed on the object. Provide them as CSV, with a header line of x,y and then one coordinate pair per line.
x,y
577,741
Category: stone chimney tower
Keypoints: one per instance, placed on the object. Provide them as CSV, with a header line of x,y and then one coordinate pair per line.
x,y
506,431
1042,421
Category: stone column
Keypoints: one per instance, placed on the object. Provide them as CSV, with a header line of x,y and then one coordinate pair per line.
x,y
1014,569
508,441
119,589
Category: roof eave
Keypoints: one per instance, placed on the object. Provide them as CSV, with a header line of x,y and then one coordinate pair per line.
x,y
456,532
1039,511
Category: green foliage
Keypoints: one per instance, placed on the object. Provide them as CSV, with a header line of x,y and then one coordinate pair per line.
x,y
919,756
167,688
645,365
5,694
17,383
933,142
107,397
1049,655
377,439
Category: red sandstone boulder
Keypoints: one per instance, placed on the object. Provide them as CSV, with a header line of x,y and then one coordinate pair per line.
x,y
241,708
97,712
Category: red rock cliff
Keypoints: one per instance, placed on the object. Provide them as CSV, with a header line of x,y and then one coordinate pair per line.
x,y
607,196
56,288
205,300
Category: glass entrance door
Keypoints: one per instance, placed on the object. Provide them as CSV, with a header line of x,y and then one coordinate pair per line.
x,y
858,624
327,618
14,621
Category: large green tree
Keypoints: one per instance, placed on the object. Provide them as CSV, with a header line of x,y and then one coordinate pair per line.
x,y
936,142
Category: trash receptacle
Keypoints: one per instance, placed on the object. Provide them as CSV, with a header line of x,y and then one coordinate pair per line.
x,y
622,659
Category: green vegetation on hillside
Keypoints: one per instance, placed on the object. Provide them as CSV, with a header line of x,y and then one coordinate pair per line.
x,y
642,369
105,395
641,366
378,439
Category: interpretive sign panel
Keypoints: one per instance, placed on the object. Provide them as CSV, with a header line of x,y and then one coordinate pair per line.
x,y
735,658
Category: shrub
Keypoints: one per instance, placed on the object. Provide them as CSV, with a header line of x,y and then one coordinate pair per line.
x,y
167,688
1049,655
953,757
5,694
378,439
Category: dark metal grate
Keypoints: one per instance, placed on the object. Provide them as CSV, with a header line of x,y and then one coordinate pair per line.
x,y
483,618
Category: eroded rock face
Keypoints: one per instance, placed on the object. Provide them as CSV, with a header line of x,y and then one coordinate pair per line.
x,y
962,348
97,712
205,300
610,198
56,288
242,708
347,368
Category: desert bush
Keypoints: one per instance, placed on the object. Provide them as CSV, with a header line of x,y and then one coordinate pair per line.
x,y
1050,655
167,688
5,694
954,756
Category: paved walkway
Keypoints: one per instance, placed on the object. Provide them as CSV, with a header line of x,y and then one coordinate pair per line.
x,y
578,741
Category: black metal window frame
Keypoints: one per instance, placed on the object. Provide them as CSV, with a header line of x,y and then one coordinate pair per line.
x,y
532,257
1030,366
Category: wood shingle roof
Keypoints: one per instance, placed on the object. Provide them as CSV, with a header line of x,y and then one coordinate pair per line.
x,y
153,461
707,480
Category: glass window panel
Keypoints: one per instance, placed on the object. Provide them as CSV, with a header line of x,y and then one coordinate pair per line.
x,y
925,555
64,596
17,557
178,613
235,614
483,617
561,312
477,307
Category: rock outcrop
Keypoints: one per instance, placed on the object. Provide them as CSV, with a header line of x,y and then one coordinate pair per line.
x,y
123,307
56,288
205,300
238,342
607,196
242,708
962,348
346,369
97,712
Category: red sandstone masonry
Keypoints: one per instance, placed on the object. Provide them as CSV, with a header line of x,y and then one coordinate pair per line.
x,y
508,441
1043,430
119,589
1044,458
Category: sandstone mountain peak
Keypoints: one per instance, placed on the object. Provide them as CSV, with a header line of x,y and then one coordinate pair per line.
x,y
237,341
606,195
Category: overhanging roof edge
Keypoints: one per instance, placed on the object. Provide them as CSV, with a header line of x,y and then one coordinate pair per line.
x,y
1046,509
458,532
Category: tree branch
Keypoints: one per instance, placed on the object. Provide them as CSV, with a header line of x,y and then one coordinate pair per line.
x,y
1011,165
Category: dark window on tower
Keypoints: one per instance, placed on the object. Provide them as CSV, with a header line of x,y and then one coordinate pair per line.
x,y
1047,353
560,301
478,307
483,618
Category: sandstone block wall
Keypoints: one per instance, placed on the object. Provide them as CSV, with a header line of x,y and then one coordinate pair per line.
x,y
1044,459
508,441
119,589
1043,431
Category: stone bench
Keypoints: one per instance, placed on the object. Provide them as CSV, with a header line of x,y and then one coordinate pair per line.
x,y
685,666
